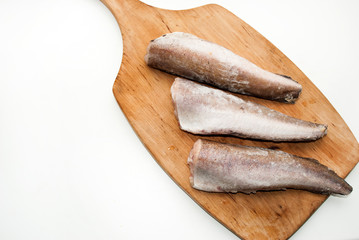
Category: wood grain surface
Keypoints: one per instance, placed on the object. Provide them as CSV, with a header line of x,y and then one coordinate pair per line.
x,y
144,96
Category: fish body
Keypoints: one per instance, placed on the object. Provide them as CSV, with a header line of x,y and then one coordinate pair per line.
x,y
220,167
208,111
186,55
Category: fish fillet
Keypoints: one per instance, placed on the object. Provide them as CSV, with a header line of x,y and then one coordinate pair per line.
x,y
219,167
208,111
186,55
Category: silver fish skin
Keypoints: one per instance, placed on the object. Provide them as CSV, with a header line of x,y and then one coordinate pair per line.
x,y
208,111
188,56
220,167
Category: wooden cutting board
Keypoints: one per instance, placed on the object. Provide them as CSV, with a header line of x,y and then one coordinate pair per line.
x,y
143,94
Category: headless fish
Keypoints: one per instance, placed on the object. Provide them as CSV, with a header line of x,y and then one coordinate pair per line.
x,y
208,111
186,55
220,167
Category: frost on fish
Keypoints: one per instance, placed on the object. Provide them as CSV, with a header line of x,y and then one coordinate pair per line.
x,y
220,167
186,55
204,110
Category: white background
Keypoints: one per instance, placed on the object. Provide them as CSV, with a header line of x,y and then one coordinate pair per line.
x,y
70,165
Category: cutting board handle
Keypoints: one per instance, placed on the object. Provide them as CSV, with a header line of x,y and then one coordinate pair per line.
x,y
123,10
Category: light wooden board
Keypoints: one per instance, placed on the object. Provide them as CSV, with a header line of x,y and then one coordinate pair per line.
x,y
143,94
